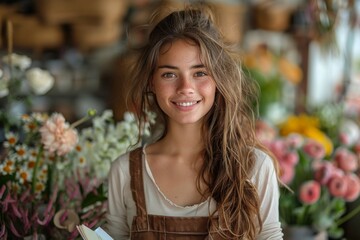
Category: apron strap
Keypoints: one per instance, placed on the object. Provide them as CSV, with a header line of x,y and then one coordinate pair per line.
x,y
137,183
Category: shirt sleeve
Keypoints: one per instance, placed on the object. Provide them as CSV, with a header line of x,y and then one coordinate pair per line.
x,y
116,218
265,179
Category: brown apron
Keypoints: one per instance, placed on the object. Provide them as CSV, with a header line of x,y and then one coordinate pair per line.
x,y
150,227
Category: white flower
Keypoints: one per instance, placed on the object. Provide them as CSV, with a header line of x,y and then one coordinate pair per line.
x,y
350,130
129,117
21,61
4,90
40,80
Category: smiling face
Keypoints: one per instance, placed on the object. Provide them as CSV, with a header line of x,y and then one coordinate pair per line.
x,y
182,85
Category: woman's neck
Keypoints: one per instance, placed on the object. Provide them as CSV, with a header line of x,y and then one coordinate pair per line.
x,y
184,139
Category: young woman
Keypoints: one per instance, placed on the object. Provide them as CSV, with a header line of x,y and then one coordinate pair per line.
x,y
206,176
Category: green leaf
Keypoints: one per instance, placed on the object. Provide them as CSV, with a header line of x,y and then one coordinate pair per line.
x,y
335,232
94,197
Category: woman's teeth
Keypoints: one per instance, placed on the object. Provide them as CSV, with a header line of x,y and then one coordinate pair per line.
x,y
186,104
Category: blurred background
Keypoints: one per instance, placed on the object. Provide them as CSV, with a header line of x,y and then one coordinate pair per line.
x,y
302,53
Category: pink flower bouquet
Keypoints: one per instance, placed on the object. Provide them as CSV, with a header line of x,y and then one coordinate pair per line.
x,y
318,184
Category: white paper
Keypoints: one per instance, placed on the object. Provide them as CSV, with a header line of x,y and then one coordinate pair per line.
x,y
101,233
88,234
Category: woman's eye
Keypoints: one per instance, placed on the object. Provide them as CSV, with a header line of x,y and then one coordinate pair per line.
x,y
168,75
200,74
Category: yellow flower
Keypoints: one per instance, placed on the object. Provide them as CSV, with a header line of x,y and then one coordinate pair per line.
x,y
307,126
298,124
320,137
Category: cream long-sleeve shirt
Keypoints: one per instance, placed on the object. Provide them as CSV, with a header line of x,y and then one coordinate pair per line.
x,y
122,209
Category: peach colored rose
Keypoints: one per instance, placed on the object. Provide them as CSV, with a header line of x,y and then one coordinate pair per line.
x,y
338,186
314,149
353,189
57,136
310,192
346,160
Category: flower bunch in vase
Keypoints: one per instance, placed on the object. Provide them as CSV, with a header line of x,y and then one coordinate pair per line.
x,y
318,182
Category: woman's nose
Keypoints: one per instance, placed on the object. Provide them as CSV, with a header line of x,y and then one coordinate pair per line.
x,y
185,85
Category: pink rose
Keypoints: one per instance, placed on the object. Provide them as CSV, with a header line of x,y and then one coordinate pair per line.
x,y
337,186
324,172
357,148
294,140
310,192
346,160
353,189
57,136
287,172
265,132
344,139
290,158
278,148
314,149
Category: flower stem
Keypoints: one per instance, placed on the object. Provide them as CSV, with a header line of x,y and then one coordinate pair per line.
x,y
91,113
33,185
348,216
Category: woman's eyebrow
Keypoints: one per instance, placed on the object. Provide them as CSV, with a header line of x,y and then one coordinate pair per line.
x,y
167,66
173,67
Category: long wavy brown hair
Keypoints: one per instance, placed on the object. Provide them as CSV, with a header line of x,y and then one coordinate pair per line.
x,y
229,127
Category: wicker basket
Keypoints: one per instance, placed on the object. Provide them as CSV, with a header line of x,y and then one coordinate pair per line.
x,y
29,32
230,18
273,16
87,36
70,11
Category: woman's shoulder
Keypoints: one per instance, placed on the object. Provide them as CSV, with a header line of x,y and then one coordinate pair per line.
x,y
122,162
264,164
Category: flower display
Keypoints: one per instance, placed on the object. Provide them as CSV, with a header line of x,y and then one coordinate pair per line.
x,y
308,126
276,76
317,183
19,82
53,175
